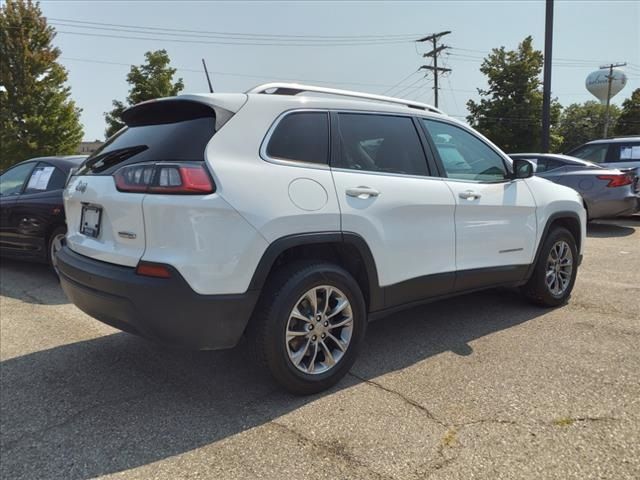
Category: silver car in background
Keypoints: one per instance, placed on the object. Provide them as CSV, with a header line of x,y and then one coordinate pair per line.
x,y
607,192
616,152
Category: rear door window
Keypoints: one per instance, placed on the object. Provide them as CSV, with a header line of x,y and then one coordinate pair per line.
x,y
302,137
380,143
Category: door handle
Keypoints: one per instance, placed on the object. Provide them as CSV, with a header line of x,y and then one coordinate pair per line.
x,y
362,192
469,195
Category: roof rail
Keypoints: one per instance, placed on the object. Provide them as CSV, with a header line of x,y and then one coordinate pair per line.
x,y
296,88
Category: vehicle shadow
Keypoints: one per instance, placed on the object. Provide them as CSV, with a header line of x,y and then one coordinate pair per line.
x,y
30,282
622,227
117,402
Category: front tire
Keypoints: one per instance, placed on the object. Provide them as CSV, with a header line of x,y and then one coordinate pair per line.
x,y
555,272
308,326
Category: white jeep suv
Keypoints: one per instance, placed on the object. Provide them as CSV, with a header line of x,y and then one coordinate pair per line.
x,y
294,214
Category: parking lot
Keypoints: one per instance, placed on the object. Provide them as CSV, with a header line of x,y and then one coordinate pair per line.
x,y
482,386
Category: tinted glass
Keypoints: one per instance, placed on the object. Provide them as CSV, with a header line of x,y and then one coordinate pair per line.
x,y
594,153
184,140
624,152
12,180
380,143
546,164
45,178
465,156
301,136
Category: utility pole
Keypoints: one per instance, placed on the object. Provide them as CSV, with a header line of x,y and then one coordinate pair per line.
x,y
546,87
610,79
434,53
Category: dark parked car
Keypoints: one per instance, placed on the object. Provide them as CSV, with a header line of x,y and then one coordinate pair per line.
x,y
32,221
607,192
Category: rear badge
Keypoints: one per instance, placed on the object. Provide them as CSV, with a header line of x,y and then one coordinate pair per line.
x,y
81,187
127,235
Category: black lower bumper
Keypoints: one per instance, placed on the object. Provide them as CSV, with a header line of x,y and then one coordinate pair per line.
x,y
165,310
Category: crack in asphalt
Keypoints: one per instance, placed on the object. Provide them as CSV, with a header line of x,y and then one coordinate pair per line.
x,y
41,431
453,427
407,400
332,449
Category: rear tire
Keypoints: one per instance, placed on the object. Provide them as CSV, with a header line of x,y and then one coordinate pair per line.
x,y
55,243
308,326
554,274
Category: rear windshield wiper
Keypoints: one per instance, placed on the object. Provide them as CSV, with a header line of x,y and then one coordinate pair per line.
x,y
105,160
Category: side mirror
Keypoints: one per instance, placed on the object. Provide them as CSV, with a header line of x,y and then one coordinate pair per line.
x,y
523,168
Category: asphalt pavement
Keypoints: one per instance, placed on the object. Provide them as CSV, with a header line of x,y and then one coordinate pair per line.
x,y
480,386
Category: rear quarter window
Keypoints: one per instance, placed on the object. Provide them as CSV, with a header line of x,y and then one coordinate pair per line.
x,y
302,137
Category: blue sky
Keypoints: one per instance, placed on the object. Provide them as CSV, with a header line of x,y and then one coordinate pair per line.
x,y
586,35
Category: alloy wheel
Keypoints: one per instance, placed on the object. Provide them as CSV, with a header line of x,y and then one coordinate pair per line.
x,y
559,268
319,330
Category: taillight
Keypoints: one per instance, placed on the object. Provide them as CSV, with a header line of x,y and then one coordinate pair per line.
x,y
617,180
149,269
183,178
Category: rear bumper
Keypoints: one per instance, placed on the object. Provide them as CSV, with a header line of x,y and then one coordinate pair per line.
x,y
164,310
614,208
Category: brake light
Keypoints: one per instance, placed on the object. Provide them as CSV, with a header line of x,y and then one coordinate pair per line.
x,y
185,178
617,180
153,270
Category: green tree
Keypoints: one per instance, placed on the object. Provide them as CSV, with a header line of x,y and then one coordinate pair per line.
x,y
37,116
510,110
582,122
629,119
154,79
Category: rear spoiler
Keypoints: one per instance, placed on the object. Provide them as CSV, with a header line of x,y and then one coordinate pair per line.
x,y
221,106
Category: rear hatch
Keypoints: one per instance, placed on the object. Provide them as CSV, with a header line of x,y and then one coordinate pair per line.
x,y
103,200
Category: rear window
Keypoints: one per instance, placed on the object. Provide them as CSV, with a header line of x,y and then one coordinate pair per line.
x,y
146,141
596,152
301,136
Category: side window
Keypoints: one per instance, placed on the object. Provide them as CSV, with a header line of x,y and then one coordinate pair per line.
x,y
301,136
463,155
12,180
45,178
624,152
548,164
380,143
594,153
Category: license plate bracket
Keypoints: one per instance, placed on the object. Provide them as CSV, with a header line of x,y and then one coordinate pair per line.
x,y
90,221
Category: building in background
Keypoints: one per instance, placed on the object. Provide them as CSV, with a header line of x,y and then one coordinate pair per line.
x,y
87,148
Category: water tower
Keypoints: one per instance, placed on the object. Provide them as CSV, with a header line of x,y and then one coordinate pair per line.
x,y
598,83
604,84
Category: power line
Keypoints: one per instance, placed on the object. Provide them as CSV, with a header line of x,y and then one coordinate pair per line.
x,y
202,42
401,91
245,75
408,36
396,84
229,40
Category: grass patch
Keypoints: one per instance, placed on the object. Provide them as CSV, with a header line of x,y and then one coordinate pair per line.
x,y
563,422
449,438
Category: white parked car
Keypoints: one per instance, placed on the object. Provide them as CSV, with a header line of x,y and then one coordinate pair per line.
x,y
294,214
